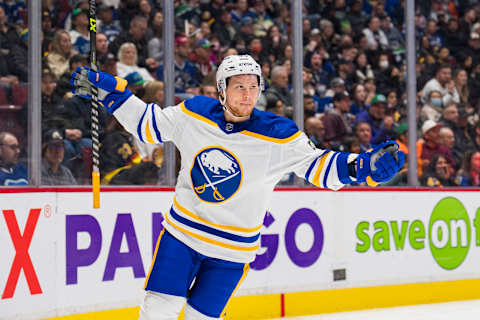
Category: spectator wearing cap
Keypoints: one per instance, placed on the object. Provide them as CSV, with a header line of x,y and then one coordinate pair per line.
x,y
473,46
47,32
80,33
127,62
136,34
58,59
402,137
51,111
77,112
186,74
12,172
375,115
278,95
135,83
53,152
106,22
431,145
444,84
376,38
246,30
337,120
201,57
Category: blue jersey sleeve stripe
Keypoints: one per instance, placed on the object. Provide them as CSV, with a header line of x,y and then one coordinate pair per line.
x,y
213,231
307,174
312,165
139,127
154,123
342,168
327,172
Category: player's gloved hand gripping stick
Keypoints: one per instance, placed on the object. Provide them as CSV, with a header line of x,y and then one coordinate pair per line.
x,y
112,91
380,164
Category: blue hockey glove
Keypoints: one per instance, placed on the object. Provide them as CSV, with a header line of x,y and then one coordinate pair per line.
x,y
380,164
112,91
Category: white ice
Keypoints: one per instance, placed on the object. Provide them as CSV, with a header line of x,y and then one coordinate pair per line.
x,y
459,310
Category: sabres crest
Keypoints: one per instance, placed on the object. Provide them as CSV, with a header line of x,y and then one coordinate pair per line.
x,y
216,174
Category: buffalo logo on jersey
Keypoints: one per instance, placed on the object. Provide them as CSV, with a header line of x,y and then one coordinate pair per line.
x,y
216,174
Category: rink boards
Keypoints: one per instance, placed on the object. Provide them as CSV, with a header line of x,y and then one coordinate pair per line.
x,y
322,251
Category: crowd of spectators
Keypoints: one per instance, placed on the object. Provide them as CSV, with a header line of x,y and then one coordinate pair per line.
x,y
354,77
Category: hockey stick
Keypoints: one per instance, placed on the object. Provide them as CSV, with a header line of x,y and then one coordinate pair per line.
x,y
95,126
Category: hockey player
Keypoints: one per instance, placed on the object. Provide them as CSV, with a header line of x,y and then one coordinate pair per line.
x,y
232,157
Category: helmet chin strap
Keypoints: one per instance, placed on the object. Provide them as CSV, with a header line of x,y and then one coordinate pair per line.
x,y
236,118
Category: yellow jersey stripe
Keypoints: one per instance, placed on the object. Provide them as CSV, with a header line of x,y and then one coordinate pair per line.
x,y
196,115
219,226
245,132
319,170
266,138
246,268
121,84
154,257
148,133
211,241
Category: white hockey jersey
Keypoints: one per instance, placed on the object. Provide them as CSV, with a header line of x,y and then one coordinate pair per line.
x,y
229,170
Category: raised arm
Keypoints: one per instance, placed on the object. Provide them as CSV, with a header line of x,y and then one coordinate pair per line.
x,y
148,122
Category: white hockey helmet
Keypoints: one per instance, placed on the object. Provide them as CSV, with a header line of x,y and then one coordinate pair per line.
x,y
235,65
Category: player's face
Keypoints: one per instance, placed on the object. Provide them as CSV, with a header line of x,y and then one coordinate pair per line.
x,y
241,94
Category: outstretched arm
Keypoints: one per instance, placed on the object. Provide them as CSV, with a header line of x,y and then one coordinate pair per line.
x,y
148,122
333,170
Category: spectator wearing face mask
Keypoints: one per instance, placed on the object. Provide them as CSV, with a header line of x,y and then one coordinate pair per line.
x,y
386,75
444,84
432,109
